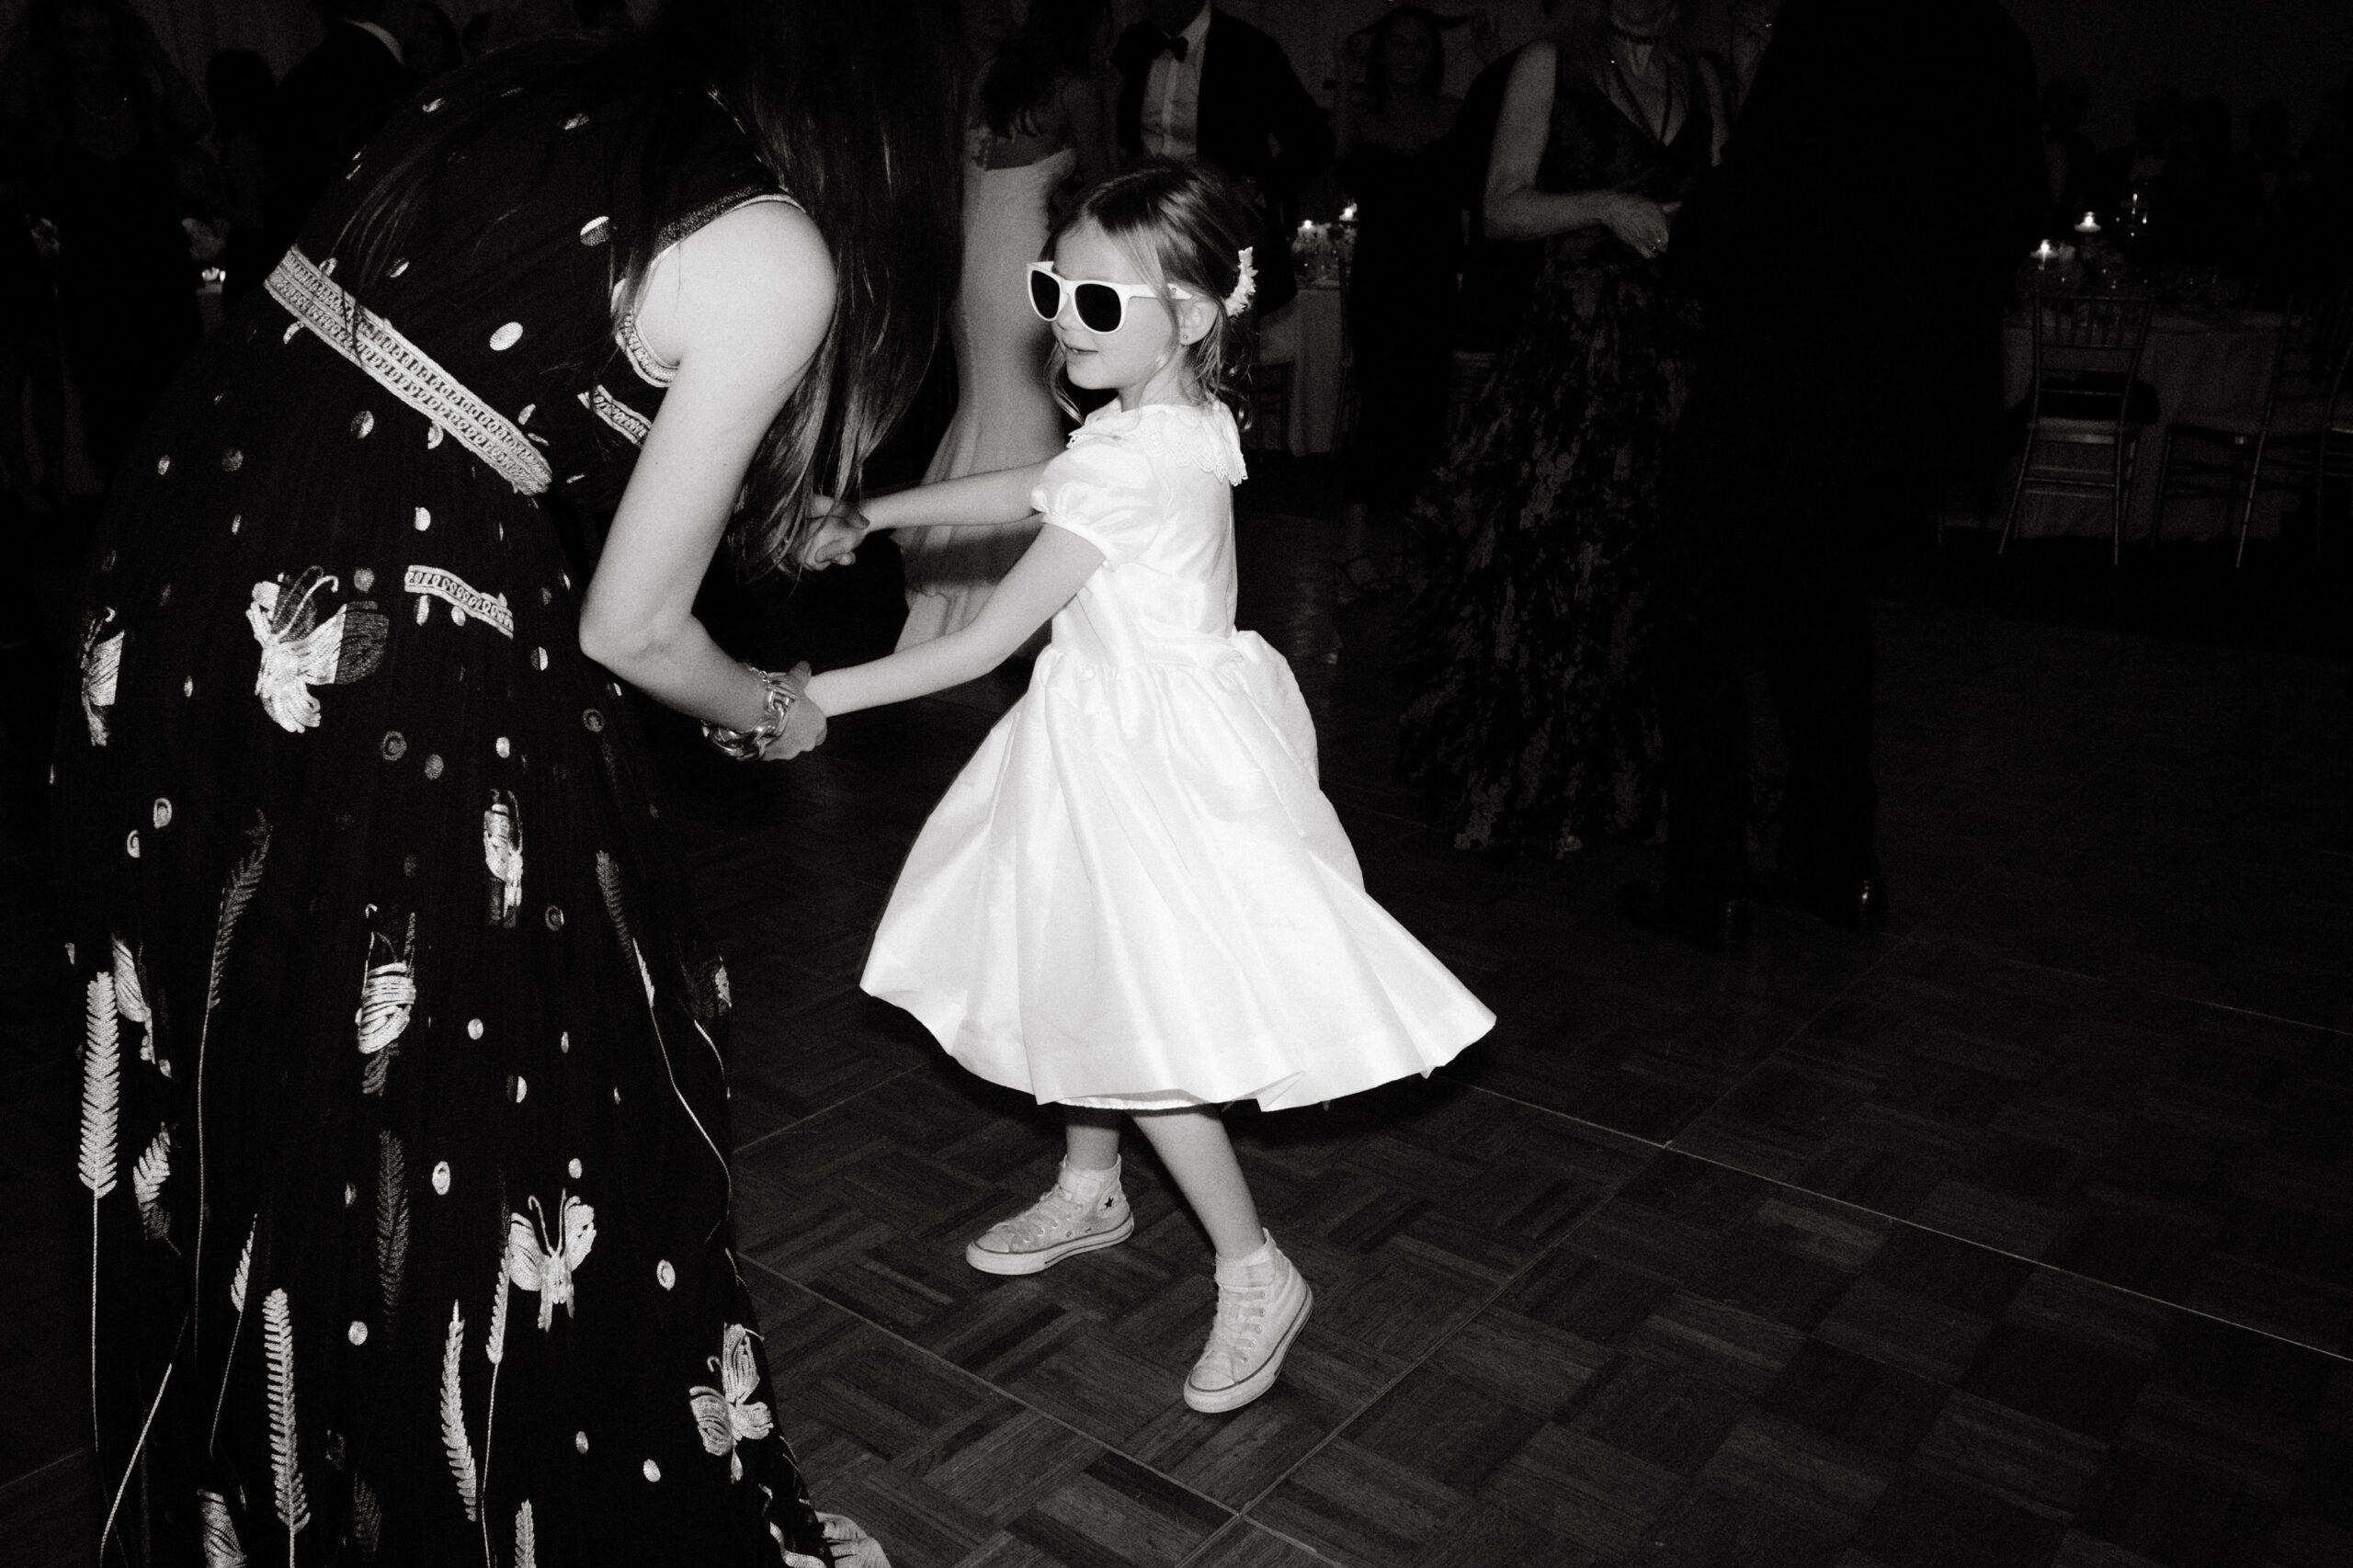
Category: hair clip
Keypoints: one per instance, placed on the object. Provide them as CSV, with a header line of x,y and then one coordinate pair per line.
x,y
1246,286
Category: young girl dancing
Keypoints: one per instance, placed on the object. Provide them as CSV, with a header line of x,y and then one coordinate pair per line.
x,y
1136,900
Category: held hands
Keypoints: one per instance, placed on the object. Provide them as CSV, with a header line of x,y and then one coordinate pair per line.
x,y
835,540
1643,223
804,723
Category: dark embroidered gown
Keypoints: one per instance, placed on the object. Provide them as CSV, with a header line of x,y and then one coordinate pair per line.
x,y
1526,648
404,1115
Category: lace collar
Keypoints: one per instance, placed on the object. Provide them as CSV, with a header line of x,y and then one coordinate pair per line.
x,y
1183,434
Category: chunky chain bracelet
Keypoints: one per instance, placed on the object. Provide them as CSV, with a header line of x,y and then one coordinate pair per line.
x,y
745,745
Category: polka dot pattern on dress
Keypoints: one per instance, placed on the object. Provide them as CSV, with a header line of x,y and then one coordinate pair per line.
x,y
539,658
231,460
665,1275
395,745
130,844
576,122
398,267
580,1442
597,231
433,437
652,1470
356,1333
424,517
441,1178
473,1029
555,923
502,747
163,465
163,813
433,765
575,1168
506,337
362,423
363,579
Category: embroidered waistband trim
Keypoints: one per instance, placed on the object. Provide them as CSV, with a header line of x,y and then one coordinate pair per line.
x,y
632,424
461,597
400,368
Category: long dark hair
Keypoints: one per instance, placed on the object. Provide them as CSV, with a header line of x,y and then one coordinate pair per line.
x,y
1056,39
853,108
1186,222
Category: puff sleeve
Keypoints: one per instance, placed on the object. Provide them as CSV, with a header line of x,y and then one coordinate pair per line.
x,y
1103,491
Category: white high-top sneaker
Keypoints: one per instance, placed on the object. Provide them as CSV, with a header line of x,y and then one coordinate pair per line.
x,y
1085,1211
1262,1303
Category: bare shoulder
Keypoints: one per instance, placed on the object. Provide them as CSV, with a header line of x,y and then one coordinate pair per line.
x,y
754,284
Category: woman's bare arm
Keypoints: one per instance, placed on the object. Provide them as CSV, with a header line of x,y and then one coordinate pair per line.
x,y
1514,208
740,306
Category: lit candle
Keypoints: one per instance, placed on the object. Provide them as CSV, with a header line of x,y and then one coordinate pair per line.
x,y
2044,254
2090,225
1348,213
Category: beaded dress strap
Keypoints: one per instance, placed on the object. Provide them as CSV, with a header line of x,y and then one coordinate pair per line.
x,y
400,368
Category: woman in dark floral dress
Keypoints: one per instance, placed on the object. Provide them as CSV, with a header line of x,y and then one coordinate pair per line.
x,y
1525,650
404,1115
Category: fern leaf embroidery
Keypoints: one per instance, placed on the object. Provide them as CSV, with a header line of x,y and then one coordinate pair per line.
x,y
454,1442
392,1220
221,1547
278,1344
101,1087
495,1344
526,1550
367,1519
244,1268
238,894
608,879
147,1177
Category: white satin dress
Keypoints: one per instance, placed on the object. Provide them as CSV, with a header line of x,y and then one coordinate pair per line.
x,y
1135,896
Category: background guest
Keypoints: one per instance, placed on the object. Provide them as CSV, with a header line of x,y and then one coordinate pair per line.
x,y
2138,164
238,86
1195,83
1826,396
1042,126
1391,123
330,103
109,131
1531,712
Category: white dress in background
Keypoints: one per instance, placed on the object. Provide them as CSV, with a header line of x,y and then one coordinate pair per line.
x,y
1005,416
1135,895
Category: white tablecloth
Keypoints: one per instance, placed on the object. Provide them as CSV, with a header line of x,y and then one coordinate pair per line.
x,y
1309,335
2197,368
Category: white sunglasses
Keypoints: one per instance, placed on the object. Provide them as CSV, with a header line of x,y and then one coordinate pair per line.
x,y
1102,307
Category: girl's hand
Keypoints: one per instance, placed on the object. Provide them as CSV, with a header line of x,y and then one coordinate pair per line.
x,y
804,723
1637,219
836,541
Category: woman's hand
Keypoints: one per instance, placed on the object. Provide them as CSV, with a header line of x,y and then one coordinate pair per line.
x,y
836,541
804,722
1643,223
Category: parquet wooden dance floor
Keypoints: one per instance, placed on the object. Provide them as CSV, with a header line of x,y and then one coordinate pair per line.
x,y
2021,1235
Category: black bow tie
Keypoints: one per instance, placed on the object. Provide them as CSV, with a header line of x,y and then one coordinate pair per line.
x,y
1174,48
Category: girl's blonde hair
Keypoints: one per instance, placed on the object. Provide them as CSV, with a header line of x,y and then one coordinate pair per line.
x,y
1187,225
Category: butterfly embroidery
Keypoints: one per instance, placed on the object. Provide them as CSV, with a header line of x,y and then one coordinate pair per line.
x,y
387,995
299,650
728,1415
539,1261
101,669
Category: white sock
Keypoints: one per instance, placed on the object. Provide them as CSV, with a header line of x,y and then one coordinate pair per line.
x,y
1265,1253
1089,1185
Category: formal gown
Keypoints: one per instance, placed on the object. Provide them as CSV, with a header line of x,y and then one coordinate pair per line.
x,y
1526,650
1135,896
1005,416
404,1116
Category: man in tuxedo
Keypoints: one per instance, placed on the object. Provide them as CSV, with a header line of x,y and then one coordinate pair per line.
x,y
1197,84
1851,255
330,103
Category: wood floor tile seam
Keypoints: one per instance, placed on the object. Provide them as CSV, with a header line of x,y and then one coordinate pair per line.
x,y
775,1132
27,1477
2254,1013
1243,1522
934,1356
1997,1251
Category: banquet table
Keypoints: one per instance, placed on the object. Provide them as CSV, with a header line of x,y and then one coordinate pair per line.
x,y
2198,367
1309,335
